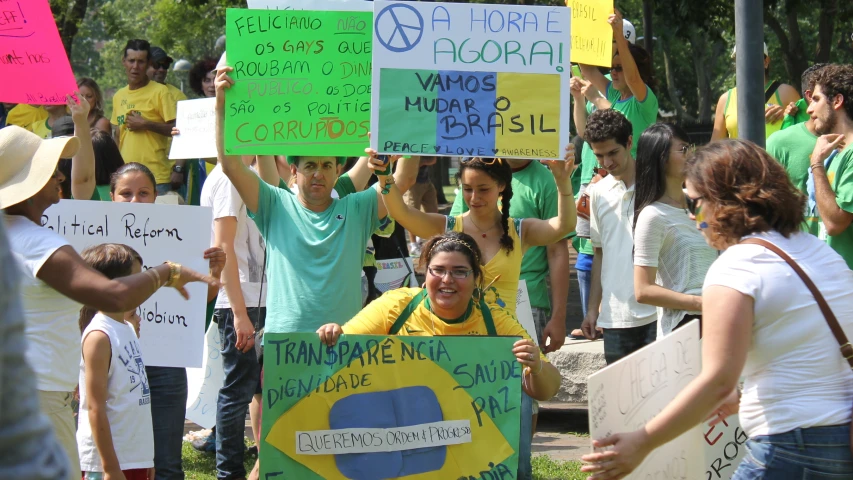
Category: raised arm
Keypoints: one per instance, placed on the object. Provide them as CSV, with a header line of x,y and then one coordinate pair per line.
x,y
579,107
67,273
546,232
592,74
83,164
629,66
268,170
720,132
243,178
422,224
406,173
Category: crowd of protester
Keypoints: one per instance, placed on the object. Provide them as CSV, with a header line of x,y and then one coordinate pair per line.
x,y
665,234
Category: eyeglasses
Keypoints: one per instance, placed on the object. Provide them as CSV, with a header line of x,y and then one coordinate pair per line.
x,y
456,273
484,161
689,148
692,203
617,69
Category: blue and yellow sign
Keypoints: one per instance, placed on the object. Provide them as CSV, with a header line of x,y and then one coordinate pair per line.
x,y
377,407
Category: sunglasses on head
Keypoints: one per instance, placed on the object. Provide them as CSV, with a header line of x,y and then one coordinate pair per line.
x,y
484,161
692,203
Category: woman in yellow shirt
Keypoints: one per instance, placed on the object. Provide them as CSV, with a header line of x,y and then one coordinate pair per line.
x,y
451,304
503,240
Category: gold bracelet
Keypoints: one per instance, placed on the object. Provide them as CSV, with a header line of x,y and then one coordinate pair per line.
x,y
174,274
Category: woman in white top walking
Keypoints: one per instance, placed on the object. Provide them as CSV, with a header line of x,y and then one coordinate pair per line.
x,y
671,257
762,323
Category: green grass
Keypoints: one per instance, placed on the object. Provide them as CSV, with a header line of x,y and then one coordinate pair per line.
x,y
202,466
544,468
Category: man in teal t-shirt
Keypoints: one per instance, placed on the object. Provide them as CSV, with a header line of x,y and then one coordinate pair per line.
x,y
793,147
831,109
534,195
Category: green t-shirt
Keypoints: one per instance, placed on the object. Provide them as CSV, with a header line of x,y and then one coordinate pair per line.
x,y
640,114
313,257
793,148
840,175
798,118
534,195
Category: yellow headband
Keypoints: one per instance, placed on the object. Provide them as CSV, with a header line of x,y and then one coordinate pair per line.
x,y
457,241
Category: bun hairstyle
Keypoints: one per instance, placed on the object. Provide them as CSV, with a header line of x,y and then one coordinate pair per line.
x,y
113,260
500,171
455,242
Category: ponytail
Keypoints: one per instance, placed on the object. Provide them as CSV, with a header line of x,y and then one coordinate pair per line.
x,y
506,239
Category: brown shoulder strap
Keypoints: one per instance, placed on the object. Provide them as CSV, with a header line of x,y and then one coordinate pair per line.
x,y
837,331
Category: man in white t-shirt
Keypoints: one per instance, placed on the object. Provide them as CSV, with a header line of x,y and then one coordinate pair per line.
x,y
627,325
240,312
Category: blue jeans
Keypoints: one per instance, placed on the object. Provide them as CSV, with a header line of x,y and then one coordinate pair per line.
x,y
621,342
242,381
525,439
817,453
168,409
584,280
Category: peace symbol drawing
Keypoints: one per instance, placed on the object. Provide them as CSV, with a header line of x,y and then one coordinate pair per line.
x,y
399,27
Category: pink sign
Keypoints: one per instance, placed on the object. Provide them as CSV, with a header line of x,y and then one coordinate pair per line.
x,y
33,63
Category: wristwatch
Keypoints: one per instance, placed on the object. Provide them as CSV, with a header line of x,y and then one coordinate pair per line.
x,y
178,169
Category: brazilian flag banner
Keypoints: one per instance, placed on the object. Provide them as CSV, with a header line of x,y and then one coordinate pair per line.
x,y
379,407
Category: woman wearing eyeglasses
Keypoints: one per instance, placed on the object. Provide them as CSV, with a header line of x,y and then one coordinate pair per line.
x,y
502,239
450,304
670,256
761,323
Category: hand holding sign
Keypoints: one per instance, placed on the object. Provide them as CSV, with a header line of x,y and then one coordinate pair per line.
x,y
628,450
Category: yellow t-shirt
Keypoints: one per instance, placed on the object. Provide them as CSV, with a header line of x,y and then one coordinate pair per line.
x,y
504,292
156,104
730,114
176,92
41,128
25,116
379,316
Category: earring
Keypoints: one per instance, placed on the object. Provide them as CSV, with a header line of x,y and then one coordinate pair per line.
x,y
424,285
478,294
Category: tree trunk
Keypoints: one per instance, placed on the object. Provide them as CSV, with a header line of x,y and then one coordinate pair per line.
x,y
68,15
648,13
826,29
791,43
704,60
671,88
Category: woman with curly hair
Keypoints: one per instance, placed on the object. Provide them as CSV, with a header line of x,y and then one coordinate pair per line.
x,y
761,323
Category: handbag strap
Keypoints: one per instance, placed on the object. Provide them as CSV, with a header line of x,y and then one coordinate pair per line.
x,y
837,331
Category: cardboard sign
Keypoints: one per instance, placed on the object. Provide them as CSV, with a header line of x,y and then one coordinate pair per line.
x,y
524,312
337,5
470,80
624,396
390,407
33,62
394,273
196,120
172,328
203,383
302,82
592,36
724,445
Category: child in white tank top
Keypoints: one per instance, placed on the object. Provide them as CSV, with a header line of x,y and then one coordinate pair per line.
x,y
115,437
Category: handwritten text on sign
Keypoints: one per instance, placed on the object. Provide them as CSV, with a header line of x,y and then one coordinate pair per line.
x,y
390,397
624,396
33,62
196,120
172,333
470,79
302,82
592,36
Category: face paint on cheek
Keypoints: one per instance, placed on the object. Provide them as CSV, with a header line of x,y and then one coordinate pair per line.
x,y
700,218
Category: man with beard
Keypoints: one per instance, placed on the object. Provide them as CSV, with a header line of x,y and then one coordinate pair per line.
x,y
831,110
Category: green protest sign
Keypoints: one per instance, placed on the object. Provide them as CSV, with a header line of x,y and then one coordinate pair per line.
x,y
302,82
390,407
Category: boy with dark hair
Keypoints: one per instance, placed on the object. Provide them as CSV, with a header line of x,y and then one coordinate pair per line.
x,y
626,324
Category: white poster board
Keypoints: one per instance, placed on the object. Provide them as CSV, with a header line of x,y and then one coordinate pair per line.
x,y
724,445
338,5
624,396
393,273
524,312
470,79
196,120
172,329
203,383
